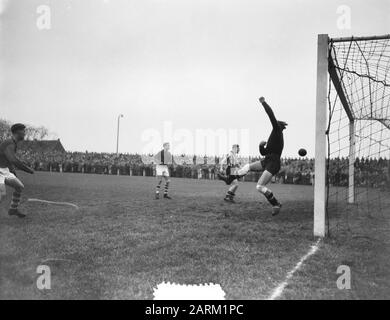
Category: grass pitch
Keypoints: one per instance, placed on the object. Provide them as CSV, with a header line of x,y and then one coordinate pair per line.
x,y
121,243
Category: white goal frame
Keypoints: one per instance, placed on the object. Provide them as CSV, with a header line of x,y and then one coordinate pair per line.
x,y
325,69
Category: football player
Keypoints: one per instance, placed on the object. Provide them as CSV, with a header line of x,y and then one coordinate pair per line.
x,y
163,160
8,163
232,165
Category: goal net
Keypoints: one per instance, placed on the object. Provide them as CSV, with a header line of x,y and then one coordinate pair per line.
x,y
357,133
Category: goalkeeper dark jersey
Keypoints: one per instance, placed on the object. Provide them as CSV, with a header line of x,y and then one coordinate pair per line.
x,y
275,142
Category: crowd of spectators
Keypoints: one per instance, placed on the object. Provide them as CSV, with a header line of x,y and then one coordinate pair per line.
x,y
368,172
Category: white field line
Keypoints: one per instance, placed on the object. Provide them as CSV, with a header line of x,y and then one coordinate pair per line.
x,y
54,202
277,292
57,259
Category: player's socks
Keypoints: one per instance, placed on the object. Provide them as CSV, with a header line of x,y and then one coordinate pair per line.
x,y
271,199
15,200
166,188
158,187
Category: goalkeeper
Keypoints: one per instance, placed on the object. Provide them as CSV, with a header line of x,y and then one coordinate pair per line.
x,y
272,152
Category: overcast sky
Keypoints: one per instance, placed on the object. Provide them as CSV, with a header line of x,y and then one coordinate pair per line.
x,y
185,65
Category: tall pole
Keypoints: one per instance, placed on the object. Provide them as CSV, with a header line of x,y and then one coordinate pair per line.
x,y
320,149
117,134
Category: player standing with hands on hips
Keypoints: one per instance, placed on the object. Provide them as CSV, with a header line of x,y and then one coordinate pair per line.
x,y
272,152
8,163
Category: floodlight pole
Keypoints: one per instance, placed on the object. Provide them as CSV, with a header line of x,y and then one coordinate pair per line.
x,y
117,134
320,229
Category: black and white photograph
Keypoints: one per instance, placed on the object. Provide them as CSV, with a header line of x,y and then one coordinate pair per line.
x,y
194,150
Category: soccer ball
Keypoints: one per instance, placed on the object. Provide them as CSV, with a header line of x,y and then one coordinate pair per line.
x,y
302,152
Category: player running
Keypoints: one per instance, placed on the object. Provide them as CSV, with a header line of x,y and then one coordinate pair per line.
x,y
163,159
233,164
8,163
272,152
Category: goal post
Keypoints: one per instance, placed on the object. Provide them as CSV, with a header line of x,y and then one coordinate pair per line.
x,y
351,163
352,122
320,147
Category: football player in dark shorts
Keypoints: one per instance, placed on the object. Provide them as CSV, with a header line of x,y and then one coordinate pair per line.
x,y
272,151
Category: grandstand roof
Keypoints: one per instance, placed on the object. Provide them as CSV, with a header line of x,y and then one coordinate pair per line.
x,y
42,146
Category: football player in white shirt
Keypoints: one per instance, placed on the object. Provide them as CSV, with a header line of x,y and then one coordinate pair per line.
x,y
232,162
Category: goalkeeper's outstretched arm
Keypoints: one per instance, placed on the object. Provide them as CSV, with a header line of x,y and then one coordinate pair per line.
x,y
270,113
